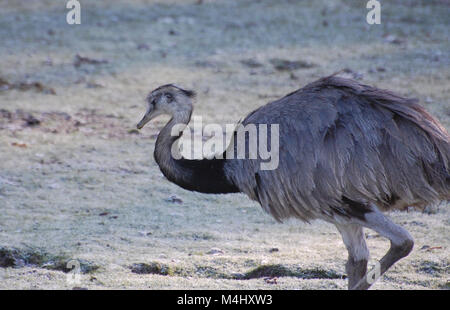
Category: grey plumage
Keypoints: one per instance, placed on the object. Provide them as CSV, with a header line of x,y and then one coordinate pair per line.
x,y
347,151
343,142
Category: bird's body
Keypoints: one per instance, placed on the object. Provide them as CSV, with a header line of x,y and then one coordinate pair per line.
x,y
347,151
343,145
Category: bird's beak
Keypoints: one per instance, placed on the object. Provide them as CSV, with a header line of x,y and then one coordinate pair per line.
x,y
149,115
147,118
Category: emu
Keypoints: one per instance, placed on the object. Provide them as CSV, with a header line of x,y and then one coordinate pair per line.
x,y
347,152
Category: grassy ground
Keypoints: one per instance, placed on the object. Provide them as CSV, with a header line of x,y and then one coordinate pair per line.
x,y
76,182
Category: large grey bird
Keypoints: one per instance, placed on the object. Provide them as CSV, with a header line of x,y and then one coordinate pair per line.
x,y
347,152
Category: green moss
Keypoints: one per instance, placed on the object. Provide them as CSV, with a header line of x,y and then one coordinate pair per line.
x,y
268,271
282,271
13,257
153,268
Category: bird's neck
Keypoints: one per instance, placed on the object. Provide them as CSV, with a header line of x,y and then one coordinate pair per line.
x,y
206,175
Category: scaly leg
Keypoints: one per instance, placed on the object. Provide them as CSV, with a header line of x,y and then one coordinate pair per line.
x,y
401,242
358,254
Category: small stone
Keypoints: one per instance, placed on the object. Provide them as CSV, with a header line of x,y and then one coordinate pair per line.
x,y
174,199
215,251
133,131
145,233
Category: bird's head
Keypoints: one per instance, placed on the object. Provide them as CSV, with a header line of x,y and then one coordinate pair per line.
x,y
167,100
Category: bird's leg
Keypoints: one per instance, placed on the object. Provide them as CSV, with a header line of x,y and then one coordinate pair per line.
x,y
401,244
358,253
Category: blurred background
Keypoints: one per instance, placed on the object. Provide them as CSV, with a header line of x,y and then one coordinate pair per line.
x,y
78,182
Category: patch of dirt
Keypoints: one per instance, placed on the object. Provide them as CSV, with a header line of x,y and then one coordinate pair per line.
x,y
25,86
433,268
31,257
289,65
89,122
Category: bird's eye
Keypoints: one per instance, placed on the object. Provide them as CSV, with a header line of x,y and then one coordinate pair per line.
x,y
153,102
169,97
